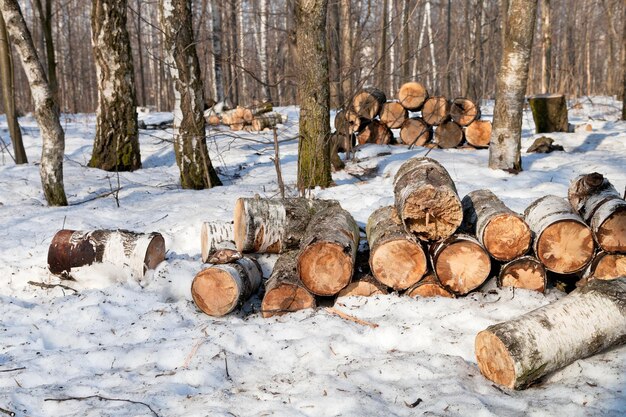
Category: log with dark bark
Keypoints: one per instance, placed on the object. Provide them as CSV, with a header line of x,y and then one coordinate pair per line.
x,y
415,131
365,286
436,110
397,259
266,121
328,251
525,272
448,135
139,251
368,103
393,114
217,243
461,263
478,133
220,289
606,266
356,123
518,352
412,95
429,286
464,111
264,225
602,208
563,242
549,113
375,132
426,199
500,230
284,291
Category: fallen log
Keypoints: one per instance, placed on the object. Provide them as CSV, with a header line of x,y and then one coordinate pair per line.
x,y
355,122
339,143
478,134
266,121
460,263
139,251
464,111
284,291
235,116
606,266
259,109
429,286
602,208
217,242
412,95
375,132
448,135
549,113
436,110
504,233
415,131
525,272
368,103
328,251
218,290
393,114
563,242
366,286
426,199
396,259
589,320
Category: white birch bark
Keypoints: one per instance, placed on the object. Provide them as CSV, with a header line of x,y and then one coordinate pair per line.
x,y
241,48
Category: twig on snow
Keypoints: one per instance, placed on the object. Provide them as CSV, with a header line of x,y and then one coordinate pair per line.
x,y
102,398
13,370
48,286
348,317
7,412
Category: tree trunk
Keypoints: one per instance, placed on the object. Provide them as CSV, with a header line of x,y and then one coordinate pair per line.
x,y
45,18
314,94
415,131
368,103
436,110
383,71
216,45
504,152
525,272
563,242
624,69
214,237
264,29
546,47
429,286
140,48
328,251
426,199
192,157
478,133
607,266
464,111
448,135
602,208
116,146
284,291
375,132
46,110
518,352
501,231
346,50
461,263
365,286
220,289
412,95
549,113
139,251
393,114
396,259
241,47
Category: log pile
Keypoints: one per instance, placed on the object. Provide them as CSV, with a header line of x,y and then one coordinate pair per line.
x,y
253,119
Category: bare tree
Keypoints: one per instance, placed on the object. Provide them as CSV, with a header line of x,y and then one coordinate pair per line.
x,y
546,46
45,17
504,150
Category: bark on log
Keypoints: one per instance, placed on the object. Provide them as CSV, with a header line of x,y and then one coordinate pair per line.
x,y
426,199
218,290
356,122
375,132
139,251
448,135
328,251
429,286
412,95
366,286
267,120
504,233
272,225
525,272
368,103
549,113
606,266
415,131
460,263
393,114
602,208
396,259
464,111
341,123
563,242
478,133
217,242
339,143
262,108
284,291
589,320
436,110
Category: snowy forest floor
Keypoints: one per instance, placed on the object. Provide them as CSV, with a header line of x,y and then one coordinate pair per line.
x,y
145,342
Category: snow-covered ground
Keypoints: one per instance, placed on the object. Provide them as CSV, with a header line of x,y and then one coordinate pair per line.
x,y
145,342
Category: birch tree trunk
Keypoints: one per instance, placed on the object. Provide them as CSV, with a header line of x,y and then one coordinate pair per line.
x,y
624,69
346,50
45,18
546,47
216,39
504,152
265,77
192,157
46,110
243,92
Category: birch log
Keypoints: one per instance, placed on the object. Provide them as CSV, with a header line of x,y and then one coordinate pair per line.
x,y
602,208
139,251
396,259
365,286
415,131
429,286
464,111
426,199
606,266
218,290
436,110
501,231
375,132
328,251
368,103
393,114
217,242
412,95
525,272
589,320
563,242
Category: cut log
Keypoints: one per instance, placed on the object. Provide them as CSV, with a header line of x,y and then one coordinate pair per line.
x,y
563,242
396,259
607,266
436,110
375,132
328,251
393,114
139,251
266,121
339,143
284,291
234,116
356,122
478,133
461,263
218,290
589,320
341,123
272,225
602,208
448,135
366,286
415,131
504,233
262,108
214,120
217,242
426,199
464,111
549,113
412,95
525,272
368,103
429,286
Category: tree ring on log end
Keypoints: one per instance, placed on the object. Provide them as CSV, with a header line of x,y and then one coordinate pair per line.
x,y
429,290
507,237
284,299
408,265
494,360
565,246
325,268
433,212
462,266
215,291
524,273
610,266
611,235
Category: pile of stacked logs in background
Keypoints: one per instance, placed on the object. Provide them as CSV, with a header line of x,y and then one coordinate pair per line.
x,y
423,120
252,119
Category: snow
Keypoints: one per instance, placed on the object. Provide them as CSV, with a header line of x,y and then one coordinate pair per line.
x,y
145,341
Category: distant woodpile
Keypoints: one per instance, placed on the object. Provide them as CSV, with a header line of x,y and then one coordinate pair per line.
x,y
252,119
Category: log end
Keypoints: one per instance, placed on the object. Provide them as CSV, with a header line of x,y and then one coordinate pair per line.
x,y
398,263
462,266
525,273
325,268
611,235
433,213
215,292
494,360
429,290
464,111
412,95
610,266
507,237
155,253
59,255
565,246
478,134
362,289
286,298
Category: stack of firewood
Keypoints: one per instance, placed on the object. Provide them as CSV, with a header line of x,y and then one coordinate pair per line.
x,y
423,120
252,119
